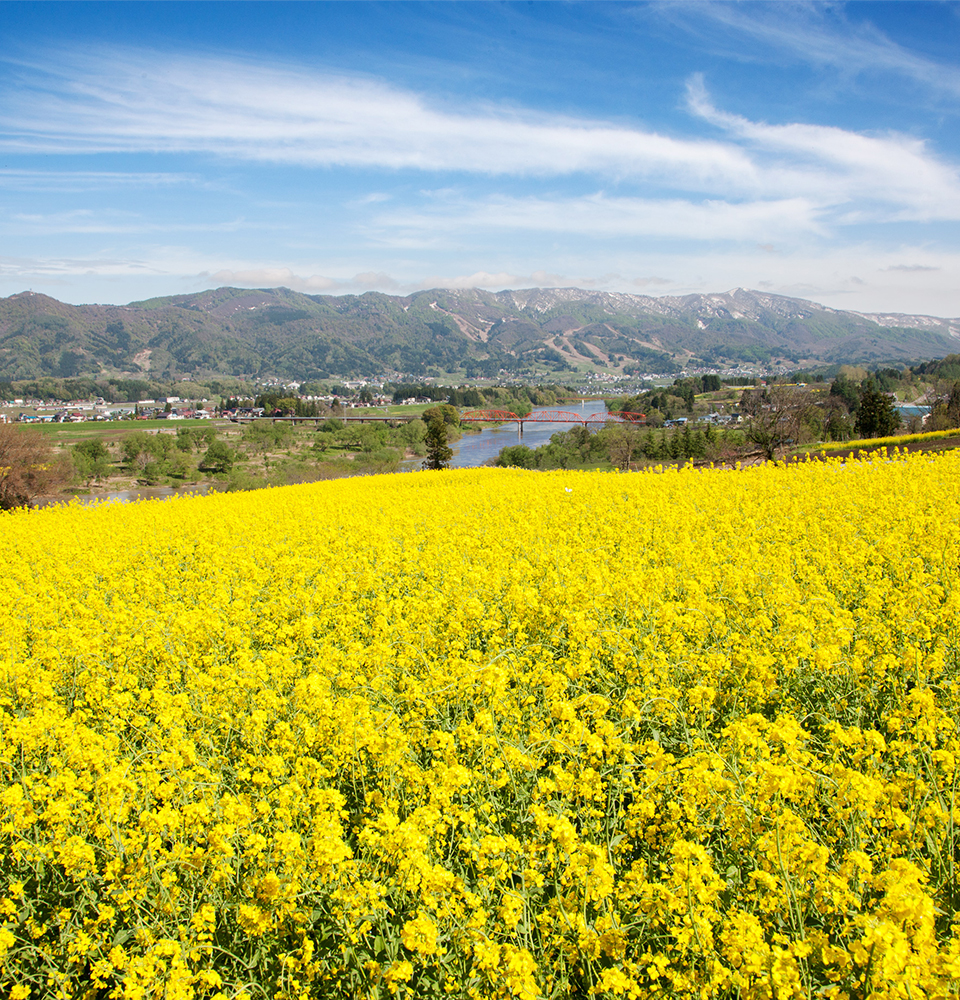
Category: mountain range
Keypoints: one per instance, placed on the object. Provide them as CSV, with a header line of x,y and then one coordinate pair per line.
x,y
279,332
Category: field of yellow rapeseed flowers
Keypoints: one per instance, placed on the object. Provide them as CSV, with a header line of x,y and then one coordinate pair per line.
x,y
488,734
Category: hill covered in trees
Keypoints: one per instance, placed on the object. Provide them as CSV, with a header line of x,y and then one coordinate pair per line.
x,y
247,333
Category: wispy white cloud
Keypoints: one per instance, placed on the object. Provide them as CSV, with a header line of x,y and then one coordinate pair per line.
x,y
24,268
276,277
271,277
92,180
601,216
145,101
372,279
493,280
819,34
651,282
890,177
82,220
373,198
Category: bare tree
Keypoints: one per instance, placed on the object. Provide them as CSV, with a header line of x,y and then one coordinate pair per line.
x,y
945,409
778,418
622,440
28,468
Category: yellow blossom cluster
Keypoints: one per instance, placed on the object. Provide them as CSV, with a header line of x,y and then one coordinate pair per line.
x,y
895,441
488,734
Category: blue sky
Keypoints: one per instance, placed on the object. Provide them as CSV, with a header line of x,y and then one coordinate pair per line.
x,y
656,148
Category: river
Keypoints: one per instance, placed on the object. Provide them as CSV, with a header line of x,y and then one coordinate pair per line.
x,y
474,449
126,496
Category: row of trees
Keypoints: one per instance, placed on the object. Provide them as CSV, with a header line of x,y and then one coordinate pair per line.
x,y
618,445
113,390
154,458
777,416
663,403
151,457
782,415
519,400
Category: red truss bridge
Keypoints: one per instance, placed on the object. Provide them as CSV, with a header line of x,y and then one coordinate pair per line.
x,y
549,417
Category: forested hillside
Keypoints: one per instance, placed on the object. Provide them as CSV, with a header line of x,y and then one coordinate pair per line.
x,y
241,332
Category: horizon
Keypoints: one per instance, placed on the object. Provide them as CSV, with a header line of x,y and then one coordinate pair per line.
x,y
807,150
491,291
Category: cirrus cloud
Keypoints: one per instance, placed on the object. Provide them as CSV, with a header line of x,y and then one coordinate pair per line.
x,y
276,277
125,101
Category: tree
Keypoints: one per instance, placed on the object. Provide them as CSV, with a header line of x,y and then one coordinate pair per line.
x,y
837,422
219,458
27,467
265,435
439,452
517,456
91,460
877,416
621,441
945,413
778,417
752,401
843,389
138,449
448,414
190,438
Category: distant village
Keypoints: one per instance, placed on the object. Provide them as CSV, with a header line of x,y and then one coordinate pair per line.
x,y
175,408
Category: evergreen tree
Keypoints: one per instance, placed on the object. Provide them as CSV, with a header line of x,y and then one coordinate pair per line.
x,y
876,416
845,390
698,446
675,448
439,452
663,447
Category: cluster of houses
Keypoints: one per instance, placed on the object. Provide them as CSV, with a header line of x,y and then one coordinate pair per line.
x,y
172,408
718,419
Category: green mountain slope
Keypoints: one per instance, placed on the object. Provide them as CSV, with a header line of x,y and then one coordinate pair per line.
x,y
251,332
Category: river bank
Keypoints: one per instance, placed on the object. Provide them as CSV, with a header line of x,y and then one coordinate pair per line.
x,y
475,447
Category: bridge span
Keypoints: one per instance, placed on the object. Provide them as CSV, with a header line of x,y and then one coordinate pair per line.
x,y
550,417
399,418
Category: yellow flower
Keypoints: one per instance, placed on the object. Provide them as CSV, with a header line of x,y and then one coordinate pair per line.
x,y
269,887
420,934
399,972
688,731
